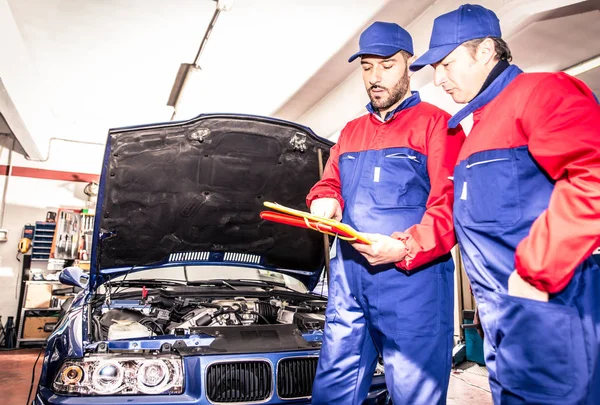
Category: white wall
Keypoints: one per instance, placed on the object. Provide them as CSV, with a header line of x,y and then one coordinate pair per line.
x,y
28,200
21,79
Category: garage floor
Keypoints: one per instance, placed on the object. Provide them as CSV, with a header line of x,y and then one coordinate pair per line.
x,y
468,386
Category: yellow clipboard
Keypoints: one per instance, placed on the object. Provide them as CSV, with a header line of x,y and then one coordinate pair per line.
x,y
349,233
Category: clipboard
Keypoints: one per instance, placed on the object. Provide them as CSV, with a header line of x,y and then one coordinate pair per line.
x,y
293,217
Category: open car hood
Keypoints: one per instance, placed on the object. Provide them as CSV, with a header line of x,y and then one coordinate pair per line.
x,y
190,192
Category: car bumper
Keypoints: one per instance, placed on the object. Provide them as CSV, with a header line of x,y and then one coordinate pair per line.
x,y
377,396
195,393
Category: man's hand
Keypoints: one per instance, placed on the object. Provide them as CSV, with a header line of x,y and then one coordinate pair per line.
x,y
326,208
517,287
383,250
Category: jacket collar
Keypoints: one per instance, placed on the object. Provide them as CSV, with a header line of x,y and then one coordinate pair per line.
x,y
487,95
411,101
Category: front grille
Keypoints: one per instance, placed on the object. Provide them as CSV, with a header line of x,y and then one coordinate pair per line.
x,y
248,381
295,377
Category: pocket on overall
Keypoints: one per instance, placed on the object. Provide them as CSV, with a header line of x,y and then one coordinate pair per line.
x,y
535,351
347,164
332,301
401,179
490,190
416,302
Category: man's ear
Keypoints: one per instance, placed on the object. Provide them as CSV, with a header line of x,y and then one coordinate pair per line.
x,y
486,51
409,62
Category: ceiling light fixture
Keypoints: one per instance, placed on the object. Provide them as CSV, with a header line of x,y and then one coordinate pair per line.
x,y
188,69
224,5
583,67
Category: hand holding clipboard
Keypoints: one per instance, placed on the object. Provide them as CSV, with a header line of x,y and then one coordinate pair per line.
x,y
290,216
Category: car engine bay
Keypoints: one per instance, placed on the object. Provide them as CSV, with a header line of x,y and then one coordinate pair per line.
x,y
165,312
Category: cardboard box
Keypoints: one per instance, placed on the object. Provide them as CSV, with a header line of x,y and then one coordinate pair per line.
x,y
38,295
34,326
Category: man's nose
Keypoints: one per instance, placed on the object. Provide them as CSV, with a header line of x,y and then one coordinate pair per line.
x,y
375,77
439,76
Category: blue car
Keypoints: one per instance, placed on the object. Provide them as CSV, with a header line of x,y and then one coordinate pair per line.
x,y
191,297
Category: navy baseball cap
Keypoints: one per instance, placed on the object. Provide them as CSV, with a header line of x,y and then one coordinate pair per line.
x,y
469,21
383,39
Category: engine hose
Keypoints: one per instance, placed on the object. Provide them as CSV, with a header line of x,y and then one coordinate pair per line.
x,y
267,311
239,318
98,335
260,316
153,323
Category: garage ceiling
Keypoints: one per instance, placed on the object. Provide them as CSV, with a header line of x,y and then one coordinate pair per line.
x,y
111,63
592,79
525,25
103,64
559,42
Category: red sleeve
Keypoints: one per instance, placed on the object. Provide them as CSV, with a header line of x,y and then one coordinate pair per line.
x,y
329,185
434,235
562,121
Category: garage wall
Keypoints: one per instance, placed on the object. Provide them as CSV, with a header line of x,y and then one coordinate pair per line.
x,y
29,197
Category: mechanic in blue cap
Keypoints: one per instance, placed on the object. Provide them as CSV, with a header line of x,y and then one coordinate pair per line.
x,y
387,176
526,211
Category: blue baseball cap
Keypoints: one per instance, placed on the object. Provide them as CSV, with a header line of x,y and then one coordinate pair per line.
x,y
383,39
469,21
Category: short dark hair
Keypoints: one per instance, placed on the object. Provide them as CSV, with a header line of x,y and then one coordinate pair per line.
x,y
501,47
406,55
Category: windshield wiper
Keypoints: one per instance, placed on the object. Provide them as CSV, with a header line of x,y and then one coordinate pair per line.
x,y
216,282
147,282
261,283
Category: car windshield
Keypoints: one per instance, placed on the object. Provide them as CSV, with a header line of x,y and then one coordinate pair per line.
x,y
204,273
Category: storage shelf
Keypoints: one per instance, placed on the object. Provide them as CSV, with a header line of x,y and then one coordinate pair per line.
x,y
43,240
43,281
36,270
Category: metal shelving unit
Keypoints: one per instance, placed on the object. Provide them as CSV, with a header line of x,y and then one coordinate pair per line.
x,y
23,313
22,318
43,281
42,245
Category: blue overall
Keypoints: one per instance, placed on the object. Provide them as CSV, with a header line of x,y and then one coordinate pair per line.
x,y
406,317
536,352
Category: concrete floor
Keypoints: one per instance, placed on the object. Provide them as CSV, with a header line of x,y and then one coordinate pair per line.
x,y
15,374
468,386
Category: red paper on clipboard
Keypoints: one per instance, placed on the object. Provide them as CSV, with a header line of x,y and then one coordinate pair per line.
x,y
290,216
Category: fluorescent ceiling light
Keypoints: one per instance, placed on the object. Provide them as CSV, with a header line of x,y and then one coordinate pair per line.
x,y
187,69
224,5
583,66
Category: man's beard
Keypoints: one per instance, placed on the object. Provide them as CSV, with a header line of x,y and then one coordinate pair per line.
x,y
397,93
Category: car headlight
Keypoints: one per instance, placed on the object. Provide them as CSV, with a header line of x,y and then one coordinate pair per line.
x,y
153,377
120,376
108,377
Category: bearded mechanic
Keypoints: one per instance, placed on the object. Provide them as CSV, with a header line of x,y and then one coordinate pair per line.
x,y
387,176
527,208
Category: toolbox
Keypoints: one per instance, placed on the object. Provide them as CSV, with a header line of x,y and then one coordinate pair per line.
x,y
473,342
